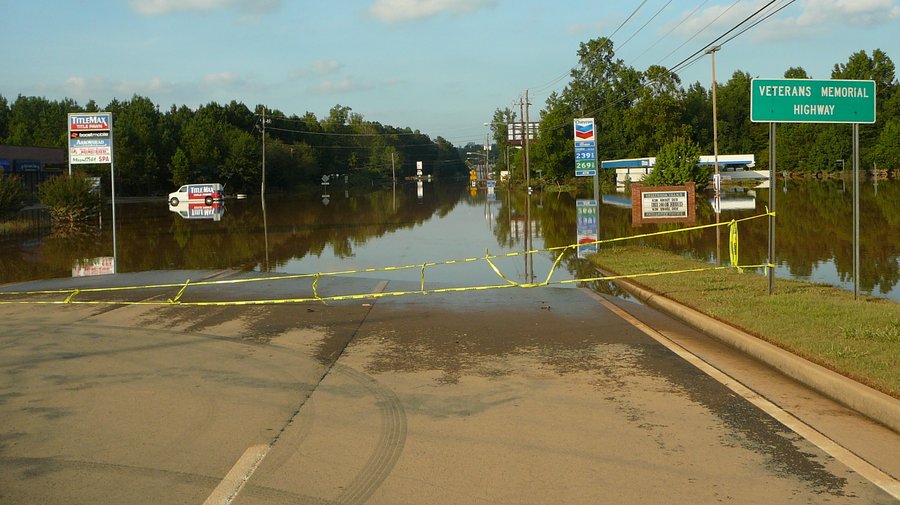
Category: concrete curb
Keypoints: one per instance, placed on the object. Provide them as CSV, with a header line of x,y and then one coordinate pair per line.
x,y
859,397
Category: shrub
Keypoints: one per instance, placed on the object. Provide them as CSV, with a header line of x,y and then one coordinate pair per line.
x,y
677,163
69,199
12,194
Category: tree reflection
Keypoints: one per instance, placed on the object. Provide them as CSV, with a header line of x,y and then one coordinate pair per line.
x,y
814,228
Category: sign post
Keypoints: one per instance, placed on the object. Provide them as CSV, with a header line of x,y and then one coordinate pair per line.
x,y
91,143
586,154
813,101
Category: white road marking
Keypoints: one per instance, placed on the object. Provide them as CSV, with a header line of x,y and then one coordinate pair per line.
x,y
240,473
871,473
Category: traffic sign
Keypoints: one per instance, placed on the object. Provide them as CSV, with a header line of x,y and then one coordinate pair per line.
x,y
812,101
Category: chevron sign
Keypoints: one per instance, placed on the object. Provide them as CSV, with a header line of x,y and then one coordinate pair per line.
x,y
585,148
584,129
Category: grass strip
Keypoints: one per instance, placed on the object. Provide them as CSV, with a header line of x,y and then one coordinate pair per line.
x,y
856,338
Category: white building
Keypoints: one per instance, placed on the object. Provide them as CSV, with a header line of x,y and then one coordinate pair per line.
x,y
731,167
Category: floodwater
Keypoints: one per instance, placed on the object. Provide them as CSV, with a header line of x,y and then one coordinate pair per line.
x,y
413,224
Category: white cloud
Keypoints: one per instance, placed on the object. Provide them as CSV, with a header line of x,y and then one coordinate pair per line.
x,y
715,18
855,12
220,78
160,7
328,87
317,68
806,17
83,88
391,11
325,67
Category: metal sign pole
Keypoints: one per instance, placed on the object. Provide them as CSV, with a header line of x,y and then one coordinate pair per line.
x,y
771,266
855,211
112,178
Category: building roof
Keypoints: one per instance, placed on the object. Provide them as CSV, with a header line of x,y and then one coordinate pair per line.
x,y
46,155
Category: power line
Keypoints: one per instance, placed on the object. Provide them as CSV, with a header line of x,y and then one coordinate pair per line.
x,y
735,27
645,24
628,19
776,11
683,19
690,60
698,32
552,82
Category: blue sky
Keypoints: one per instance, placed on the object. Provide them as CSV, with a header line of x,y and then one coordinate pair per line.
x,y
438,66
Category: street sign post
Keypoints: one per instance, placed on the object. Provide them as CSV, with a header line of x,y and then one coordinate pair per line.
x,y
90,143
812,101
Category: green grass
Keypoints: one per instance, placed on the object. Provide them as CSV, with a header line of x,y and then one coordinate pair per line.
x,y
856,338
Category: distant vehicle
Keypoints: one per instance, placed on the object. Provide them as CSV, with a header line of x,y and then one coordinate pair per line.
x,y
207,193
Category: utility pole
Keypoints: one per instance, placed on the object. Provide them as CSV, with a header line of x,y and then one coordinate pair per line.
x,y
527,132
262,187
528,240
716,182
522,130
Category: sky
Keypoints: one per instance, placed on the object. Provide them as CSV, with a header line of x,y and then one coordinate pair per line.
x,y
438,66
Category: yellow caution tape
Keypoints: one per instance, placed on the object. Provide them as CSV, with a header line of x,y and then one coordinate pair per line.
x,y
316,297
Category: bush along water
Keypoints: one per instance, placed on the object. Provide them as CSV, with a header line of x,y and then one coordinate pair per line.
x,y
69,199
12,195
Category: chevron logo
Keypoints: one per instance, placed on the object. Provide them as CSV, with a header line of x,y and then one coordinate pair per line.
x,y
584,132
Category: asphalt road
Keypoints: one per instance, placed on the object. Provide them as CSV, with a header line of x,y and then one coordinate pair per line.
x,y
513,396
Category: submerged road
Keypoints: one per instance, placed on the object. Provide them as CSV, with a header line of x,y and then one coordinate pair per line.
x,y
546,395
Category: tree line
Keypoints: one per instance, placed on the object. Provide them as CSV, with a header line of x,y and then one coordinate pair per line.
x,y
155,150
638,112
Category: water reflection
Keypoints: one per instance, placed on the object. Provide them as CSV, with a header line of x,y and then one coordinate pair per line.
x,y
412,223
194,210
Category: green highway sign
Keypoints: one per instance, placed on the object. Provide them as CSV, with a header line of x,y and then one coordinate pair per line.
x,y
812,101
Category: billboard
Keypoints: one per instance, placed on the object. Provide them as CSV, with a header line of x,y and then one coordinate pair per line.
x,y
90,138
585,147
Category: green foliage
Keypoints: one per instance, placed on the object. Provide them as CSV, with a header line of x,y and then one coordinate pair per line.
x,y
636,112
887,151
677,163
155,149
69,199
12,193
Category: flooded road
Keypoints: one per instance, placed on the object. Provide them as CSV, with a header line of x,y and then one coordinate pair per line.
x,y
355,228
521,396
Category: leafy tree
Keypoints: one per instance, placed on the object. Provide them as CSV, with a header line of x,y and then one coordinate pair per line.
x,y
796,73
136,127
12,193
180,167
4,118
241,167
697,114
36,121
678,163
887,150
655,117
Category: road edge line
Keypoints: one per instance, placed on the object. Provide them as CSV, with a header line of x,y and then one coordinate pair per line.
x,y
873,474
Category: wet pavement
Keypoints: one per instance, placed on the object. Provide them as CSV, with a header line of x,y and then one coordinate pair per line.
x,y
509,396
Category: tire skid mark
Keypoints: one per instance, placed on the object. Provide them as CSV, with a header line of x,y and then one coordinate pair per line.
x,y
390,441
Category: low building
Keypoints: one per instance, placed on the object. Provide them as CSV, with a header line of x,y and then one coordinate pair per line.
x,y
33,165
731,167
